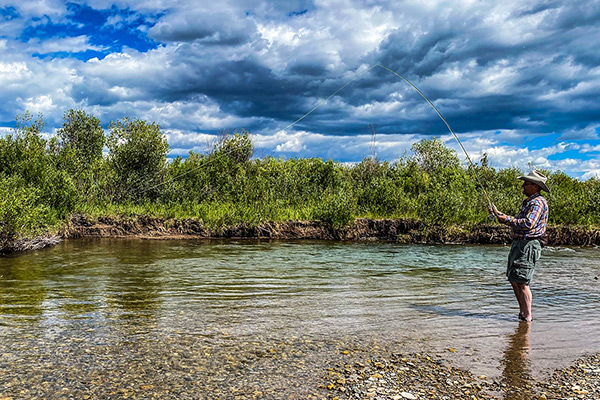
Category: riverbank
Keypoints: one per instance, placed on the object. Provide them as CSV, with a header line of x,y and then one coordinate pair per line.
x,y
422,376
362,229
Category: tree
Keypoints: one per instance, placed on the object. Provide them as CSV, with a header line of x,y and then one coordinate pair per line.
x,y
236,147
82,134
432,155
138,156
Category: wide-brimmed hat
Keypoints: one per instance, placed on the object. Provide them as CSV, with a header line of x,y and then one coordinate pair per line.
x,y
537,178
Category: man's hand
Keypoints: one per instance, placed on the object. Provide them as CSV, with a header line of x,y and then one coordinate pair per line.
x,y
494,210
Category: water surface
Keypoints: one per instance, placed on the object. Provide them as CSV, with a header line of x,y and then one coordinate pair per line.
x,y
97,305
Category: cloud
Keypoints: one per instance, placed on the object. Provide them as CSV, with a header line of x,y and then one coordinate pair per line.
x,y
589,132
587,148
208,28
74,44
37,8
517,80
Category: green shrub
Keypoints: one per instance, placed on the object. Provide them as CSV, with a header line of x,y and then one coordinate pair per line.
x,y
21,210
336,208
138,156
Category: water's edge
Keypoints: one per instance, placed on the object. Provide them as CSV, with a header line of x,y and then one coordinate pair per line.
x,y
405,231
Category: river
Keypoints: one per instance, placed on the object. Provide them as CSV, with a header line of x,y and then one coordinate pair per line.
x,y
121,314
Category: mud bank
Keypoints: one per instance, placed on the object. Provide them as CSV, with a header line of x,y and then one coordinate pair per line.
x,y
396,230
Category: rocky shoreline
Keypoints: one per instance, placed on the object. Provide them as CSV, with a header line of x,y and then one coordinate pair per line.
x,y
396,230
422,376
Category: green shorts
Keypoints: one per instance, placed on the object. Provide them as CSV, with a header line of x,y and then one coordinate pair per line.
x,y
522,260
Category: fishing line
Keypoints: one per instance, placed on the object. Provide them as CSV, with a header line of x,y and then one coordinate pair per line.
x,y
320,103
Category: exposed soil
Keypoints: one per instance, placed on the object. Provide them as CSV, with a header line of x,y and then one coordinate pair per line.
x,y
396,230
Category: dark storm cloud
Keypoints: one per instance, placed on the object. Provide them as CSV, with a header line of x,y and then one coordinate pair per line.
x,y
539,62
307,68
209,28
534,82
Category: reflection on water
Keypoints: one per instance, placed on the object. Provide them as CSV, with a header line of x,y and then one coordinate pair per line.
x,y
516,368
105,293
21,290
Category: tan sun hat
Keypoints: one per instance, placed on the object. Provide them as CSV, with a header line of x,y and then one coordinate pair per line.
x,y
537,178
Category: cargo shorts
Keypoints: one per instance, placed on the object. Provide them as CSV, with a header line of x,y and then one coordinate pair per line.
x,y
523,259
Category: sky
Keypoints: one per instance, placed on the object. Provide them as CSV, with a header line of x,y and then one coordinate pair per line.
x,y
517,80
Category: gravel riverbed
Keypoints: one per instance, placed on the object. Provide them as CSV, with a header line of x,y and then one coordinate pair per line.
x,y
191,367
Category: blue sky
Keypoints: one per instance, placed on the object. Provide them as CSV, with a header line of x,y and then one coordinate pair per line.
x,y
518,80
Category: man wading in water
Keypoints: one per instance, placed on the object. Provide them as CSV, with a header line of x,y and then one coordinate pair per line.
x,y
529,234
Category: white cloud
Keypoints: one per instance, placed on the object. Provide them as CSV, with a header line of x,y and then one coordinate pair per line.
x,y
587,133
588,148
5,131
38,8
40,104
13,72
594,173
75,44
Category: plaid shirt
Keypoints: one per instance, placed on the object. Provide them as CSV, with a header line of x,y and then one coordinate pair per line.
x,y
531,220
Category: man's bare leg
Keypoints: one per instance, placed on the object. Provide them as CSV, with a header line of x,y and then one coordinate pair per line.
x,y
518,296
524,297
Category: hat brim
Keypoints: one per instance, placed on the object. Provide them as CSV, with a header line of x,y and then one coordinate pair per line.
x,y
535,181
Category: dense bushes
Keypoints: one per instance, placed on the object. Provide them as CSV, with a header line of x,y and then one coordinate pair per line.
x,y
44,180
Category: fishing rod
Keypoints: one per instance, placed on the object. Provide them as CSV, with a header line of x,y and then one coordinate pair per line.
x,y
320,103
422,95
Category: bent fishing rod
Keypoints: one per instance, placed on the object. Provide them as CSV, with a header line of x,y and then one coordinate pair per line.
x,y
320,103
447,125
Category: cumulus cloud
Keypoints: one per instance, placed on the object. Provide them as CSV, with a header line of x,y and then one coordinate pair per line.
x,y
516,80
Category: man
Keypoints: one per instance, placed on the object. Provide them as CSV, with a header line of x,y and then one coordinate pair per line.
x,y
529,228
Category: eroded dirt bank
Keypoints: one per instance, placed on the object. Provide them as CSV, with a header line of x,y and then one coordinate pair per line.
x,y
397,230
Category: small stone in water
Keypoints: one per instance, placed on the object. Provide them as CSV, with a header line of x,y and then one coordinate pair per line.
x,y
408,395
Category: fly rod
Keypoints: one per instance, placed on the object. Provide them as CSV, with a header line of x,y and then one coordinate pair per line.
x,y
320,103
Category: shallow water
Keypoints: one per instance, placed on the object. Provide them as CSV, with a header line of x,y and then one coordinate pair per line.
x,y
77,303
